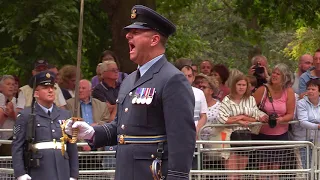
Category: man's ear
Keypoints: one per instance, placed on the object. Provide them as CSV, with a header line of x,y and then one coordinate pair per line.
x,y
155,40
36,93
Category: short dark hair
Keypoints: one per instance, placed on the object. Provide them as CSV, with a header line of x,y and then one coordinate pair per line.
x,y
189,68
314,82
318,50
108,52
182,62
223,72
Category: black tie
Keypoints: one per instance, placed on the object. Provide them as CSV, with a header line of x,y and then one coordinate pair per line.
x,y
137,75
49,113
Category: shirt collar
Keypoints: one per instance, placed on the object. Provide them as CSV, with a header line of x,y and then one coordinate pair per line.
x,y
90,101
144,68
46,109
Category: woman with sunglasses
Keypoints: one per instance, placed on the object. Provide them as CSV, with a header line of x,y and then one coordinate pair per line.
x,y
239,107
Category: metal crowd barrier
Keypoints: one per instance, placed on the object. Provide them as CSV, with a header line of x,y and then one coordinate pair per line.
x,y
297,160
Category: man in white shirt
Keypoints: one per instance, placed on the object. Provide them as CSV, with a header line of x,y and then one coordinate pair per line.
x,y
201,107
25,92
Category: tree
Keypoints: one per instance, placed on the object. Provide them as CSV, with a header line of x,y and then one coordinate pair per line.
x,y
48,29
119,15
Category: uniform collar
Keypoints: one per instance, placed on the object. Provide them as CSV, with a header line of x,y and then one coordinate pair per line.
x,y
46,109
144,68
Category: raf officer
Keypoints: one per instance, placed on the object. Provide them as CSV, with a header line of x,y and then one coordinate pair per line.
x,y
154,124
47,160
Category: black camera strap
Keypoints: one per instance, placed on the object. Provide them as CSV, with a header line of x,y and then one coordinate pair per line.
x,y
270,98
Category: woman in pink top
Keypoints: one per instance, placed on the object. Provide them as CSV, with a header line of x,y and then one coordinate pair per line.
x,y
282,105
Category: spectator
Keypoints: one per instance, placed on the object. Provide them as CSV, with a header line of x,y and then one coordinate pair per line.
x,y
107,90
181,62
232,74
206,67
305,62
221,73
259,69
195,69
253,83
111,56
8,112
25,93
239,107
97,78
67,80
308,110
201,107
94,112
277,99
209,86
312,73
52,68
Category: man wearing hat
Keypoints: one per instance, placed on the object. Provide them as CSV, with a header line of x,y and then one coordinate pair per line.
x,y
25,92
46,160
154,127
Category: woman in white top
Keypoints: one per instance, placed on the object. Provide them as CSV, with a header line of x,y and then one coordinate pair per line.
x,y
239,107
209,85
7,110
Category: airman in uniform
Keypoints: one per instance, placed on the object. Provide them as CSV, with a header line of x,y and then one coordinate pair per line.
x,y
154,127
47,160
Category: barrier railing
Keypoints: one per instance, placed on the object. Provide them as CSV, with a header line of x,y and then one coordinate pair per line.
x,y
290,159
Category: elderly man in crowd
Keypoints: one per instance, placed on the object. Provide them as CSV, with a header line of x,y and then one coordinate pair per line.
x,y
108,89
92,110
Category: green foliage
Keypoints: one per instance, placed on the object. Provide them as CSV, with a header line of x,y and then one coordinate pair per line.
x,y
48,29
306,40
284,13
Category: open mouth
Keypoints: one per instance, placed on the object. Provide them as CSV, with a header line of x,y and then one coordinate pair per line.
x,y
131,47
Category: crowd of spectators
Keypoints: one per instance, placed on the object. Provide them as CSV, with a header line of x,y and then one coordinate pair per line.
x,y
272,95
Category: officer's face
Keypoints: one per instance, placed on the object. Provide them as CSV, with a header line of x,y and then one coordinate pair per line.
x,y
141,42
44,94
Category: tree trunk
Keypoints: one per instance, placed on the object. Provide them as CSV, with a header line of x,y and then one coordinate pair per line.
x,y
119,12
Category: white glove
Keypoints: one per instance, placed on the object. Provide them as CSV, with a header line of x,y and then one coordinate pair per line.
x,y
71,178
85,130
24,177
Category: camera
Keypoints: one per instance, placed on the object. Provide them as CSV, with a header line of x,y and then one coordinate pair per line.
x,y
272,120
258,69
259,74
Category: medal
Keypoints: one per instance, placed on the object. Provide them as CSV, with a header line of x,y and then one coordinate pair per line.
x,y
150,95
140,95
135,97
145,96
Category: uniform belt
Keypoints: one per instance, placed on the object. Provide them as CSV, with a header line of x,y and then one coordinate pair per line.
x,y
48,145
125,139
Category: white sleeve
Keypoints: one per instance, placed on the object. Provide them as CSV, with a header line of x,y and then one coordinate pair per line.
x,y
61,99
21,100
2,101
204,105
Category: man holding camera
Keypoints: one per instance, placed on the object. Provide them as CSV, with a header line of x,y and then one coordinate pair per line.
x,y
259,69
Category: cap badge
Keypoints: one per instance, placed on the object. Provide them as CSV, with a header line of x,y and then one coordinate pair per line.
x,y
133,14
48,75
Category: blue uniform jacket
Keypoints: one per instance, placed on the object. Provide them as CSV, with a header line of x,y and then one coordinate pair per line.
x,y
170,114
53,166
